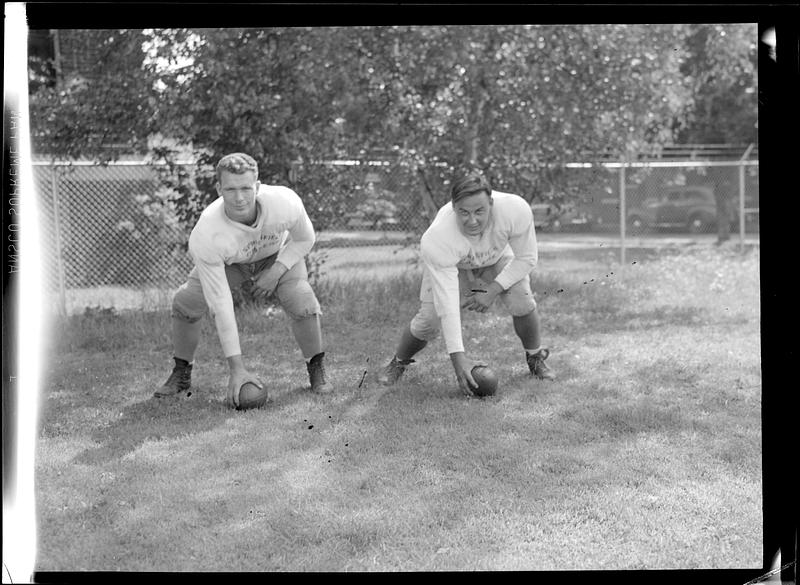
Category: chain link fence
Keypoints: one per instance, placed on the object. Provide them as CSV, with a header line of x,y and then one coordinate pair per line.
x,y
683,197
112,233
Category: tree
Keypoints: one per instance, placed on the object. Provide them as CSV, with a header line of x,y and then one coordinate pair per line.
x,y
722,69
274,93
100,111
517,101
520,101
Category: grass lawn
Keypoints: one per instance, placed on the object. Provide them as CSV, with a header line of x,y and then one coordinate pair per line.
x,y
645,453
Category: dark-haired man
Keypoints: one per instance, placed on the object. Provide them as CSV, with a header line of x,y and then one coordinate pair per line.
x,y
480,247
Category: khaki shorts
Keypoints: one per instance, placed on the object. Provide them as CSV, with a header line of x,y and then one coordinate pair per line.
x,y
294,293
517,300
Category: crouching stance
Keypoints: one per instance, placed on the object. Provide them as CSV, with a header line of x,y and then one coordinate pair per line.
x,y
256,234
480,247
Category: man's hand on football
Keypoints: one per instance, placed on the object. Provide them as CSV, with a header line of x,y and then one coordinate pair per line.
x,y
267,281
463,368
236,379
480,299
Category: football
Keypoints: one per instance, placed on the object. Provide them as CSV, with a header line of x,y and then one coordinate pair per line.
x,y
251,396
486,380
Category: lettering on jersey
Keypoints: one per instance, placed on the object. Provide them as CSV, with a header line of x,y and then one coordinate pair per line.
x,y
253,247
477,259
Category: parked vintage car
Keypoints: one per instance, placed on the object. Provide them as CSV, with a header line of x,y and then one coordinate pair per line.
x,y
682,208
686,208
690,207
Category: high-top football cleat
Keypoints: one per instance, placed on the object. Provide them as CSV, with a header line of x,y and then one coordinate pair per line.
x,y
316,374
393,371
537,366
179,380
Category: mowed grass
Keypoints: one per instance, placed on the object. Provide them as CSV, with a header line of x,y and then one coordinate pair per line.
x,y
644,454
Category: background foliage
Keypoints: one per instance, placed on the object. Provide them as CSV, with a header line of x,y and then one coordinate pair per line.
x,y
518,101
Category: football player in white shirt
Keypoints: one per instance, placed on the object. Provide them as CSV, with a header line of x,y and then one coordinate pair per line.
x,y
480,247
256,233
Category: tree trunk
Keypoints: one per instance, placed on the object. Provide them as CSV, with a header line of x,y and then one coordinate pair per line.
x,y
472,147
480,97
428,204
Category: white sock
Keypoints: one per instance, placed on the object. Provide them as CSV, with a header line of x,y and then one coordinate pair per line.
x,y
533,351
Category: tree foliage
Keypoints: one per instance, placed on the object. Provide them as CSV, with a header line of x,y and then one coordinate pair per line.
x,y
517,101
520,101
722,69
102,110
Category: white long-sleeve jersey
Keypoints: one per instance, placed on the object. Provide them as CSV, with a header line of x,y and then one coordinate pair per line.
x,y
444,249
282,226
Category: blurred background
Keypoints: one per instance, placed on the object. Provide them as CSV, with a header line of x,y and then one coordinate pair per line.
x,y
613,133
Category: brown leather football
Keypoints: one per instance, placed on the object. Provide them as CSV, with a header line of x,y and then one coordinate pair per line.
x,y
251,396
486,380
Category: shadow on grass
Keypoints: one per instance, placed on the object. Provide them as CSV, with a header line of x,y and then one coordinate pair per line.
x,y
154,419
616,420
169,418
294,396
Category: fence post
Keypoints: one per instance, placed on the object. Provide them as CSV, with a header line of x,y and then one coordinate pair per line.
x,y
741,197
62,294
622,213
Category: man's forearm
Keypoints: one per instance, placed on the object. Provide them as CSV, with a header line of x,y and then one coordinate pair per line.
x,y
228,334
236,363
451,331
515,271
457,357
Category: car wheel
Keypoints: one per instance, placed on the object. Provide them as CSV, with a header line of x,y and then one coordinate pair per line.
x,y
697,225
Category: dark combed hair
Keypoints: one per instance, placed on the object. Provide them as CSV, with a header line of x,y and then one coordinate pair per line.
x,y
468,183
